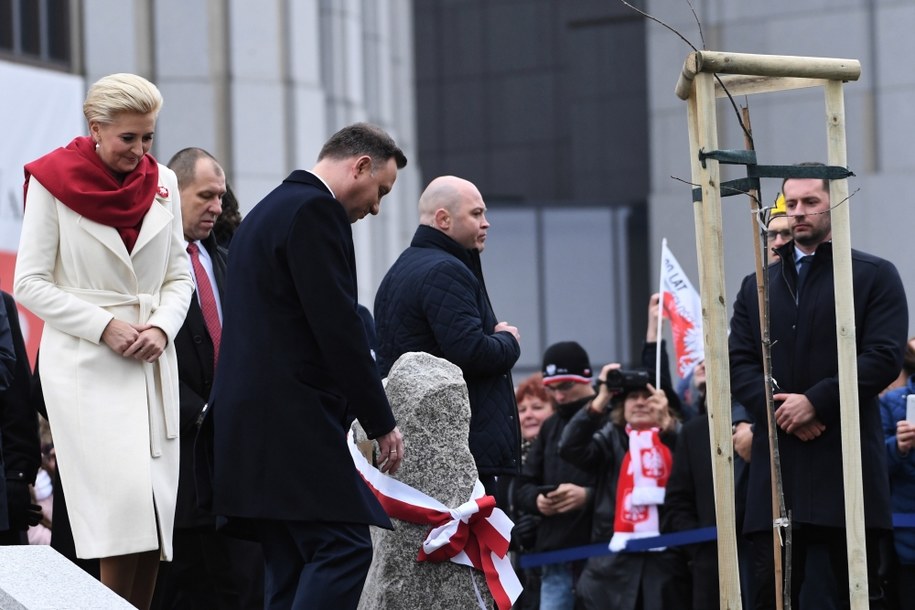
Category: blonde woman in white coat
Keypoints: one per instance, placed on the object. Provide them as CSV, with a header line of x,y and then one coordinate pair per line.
x,y
101,260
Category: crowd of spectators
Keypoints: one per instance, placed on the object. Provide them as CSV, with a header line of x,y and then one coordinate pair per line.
x,y
610,457
595,434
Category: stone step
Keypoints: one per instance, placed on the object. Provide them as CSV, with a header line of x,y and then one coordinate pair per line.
x,y
39,578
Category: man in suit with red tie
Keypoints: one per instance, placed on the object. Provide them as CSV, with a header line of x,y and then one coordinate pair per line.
x,y
209,569
295,370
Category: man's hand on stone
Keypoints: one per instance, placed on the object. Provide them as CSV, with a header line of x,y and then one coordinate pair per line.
x,y
390,451
794,412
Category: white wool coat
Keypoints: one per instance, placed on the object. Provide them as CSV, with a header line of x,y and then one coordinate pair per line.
x,y
114,419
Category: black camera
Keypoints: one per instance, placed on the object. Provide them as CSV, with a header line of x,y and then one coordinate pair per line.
x,y
620,380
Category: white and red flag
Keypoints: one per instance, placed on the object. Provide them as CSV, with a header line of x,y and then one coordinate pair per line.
x,y
682,306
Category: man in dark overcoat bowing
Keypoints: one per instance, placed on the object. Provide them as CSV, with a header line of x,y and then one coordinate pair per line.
x,y
295,370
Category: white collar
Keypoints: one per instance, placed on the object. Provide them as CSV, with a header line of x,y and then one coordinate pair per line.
x,y
324,182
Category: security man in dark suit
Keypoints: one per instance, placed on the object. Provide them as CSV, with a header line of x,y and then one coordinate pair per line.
x,y
802,302
209,569
20,451
295,370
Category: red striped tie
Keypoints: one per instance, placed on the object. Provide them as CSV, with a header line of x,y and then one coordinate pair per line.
x,y
207,300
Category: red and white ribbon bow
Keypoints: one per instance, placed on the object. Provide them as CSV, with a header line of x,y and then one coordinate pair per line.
x,y
475,534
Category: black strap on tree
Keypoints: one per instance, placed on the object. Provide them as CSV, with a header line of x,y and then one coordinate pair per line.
x,y
742,186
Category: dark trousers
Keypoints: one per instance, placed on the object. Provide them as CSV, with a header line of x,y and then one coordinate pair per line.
x,y
906,586
314,565
13,538
834,569
210,571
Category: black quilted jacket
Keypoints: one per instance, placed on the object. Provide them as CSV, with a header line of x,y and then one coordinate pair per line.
x,y
433,300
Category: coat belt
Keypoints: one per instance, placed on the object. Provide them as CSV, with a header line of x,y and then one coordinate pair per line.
x,y
167,378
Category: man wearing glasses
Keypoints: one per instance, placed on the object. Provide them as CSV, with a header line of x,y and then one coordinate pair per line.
x,y
778,229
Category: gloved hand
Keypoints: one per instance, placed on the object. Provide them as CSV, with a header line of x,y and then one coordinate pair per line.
x,y
525,531
22,513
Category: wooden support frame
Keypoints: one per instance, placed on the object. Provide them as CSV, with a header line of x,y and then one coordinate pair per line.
x,y
704,77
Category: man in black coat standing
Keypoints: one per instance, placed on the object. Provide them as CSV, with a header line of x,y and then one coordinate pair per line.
x,y
433,299
295,370
562,493
689,503
805,366
209,569
20,451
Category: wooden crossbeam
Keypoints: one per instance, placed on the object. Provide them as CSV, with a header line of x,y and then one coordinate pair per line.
x,y
717,62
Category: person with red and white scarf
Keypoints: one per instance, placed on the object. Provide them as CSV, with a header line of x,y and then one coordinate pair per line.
x,y
626,435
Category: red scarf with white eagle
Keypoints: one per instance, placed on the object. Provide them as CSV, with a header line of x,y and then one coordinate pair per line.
x,y
640,488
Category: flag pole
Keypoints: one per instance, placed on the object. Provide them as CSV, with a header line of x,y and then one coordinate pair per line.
x,y
657,351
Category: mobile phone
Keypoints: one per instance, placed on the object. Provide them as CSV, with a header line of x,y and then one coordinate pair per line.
x,y
910,408
545,489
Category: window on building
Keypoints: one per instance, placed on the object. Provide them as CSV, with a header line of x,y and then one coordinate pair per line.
x,y
36,32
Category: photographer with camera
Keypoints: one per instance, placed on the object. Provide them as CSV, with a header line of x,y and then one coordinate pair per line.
x,y
625,437
551,487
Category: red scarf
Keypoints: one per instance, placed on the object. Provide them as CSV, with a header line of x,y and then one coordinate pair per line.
x,y
79,179
640,488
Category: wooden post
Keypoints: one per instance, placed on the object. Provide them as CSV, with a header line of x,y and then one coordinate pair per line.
x,y
704,136
762,74
847,351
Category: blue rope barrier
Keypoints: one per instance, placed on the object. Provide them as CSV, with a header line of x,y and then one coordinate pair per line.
x,y
636,545
533,560
703,534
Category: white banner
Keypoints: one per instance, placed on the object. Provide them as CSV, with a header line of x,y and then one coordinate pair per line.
x,y
41,110
683,307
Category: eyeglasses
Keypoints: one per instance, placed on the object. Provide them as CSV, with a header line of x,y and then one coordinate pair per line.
x,y
565,386
784,234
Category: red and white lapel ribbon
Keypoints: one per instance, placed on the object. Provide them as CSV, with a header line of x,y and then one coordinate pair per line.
x,y
475,534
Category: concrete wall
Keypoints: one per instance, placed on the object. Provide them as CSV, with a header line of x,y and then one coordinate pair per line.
x,y
789,127
263,84
542,104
